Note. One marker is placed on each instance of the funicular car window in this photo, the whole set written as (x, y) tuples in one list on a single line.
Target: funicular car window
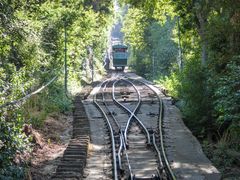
[(119, 49)]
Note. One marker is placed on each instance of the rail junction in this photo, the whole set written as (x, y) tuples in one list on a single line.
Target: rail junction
[(126, 139)]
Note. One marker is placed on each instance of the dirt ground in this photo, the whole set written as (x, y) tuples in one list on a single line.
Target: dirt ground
[(50, 142)]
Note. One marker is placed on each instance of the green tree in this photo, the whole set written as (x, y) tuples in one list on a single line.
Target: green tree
[(32, 53), (208, 86)]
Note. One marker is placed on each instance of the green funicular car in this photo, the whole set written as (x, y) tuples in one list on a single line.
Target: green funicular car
[(120, 56)]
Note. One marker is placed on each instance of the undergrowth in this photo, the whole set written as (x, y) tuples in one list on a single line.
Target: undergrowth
[(15, 142), (210, 108)]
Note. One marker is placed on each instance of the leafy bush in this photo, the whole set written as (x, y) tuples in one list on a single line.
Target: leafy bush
[(171, 83), (227, 98), (52, 99), (56, 99), (189, 86), (209, 92), (222, 155), (32, 52), (13, 142)]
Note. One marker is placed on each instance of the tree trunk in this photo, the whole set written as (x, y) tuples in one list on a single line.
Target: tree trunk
[(202, 32)]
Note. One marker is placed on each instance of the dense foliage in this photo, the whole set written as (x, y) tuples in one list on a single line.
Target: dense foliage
[(32, 53), (206, 43), (150, 41)]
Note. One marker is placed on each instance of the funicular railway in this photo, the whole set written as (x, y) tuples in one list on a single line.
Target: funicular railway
[(129, 136), (121, 136), (132, 111)]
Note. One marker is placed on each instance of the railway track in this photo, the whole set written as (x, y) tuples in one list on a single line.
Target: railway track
[(129, 142), (133, 111), (123, 139)]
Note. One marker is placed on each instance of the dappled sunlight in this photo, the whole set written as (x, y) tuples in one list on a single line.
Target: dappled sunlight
[(183, 150), (51, 142), (97, 165), (194, 170), (142, 158)]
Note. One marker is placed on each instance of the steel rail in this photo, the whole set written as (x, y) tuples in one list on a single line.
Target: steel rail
[(119, 151), (111, 133), (121, 142), (128, 162), (132, 113), (129, 119), (105, 103), (139, 121), (170, 172), (158, 152), (161, 140), (156, 149)]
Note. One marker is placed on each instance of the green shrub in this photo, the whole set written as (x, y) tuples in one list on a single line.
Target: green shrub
[(37, 121), (171, 83), (13, 142), (226, 101), (189, 86), (56, 100), (222, 155)]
